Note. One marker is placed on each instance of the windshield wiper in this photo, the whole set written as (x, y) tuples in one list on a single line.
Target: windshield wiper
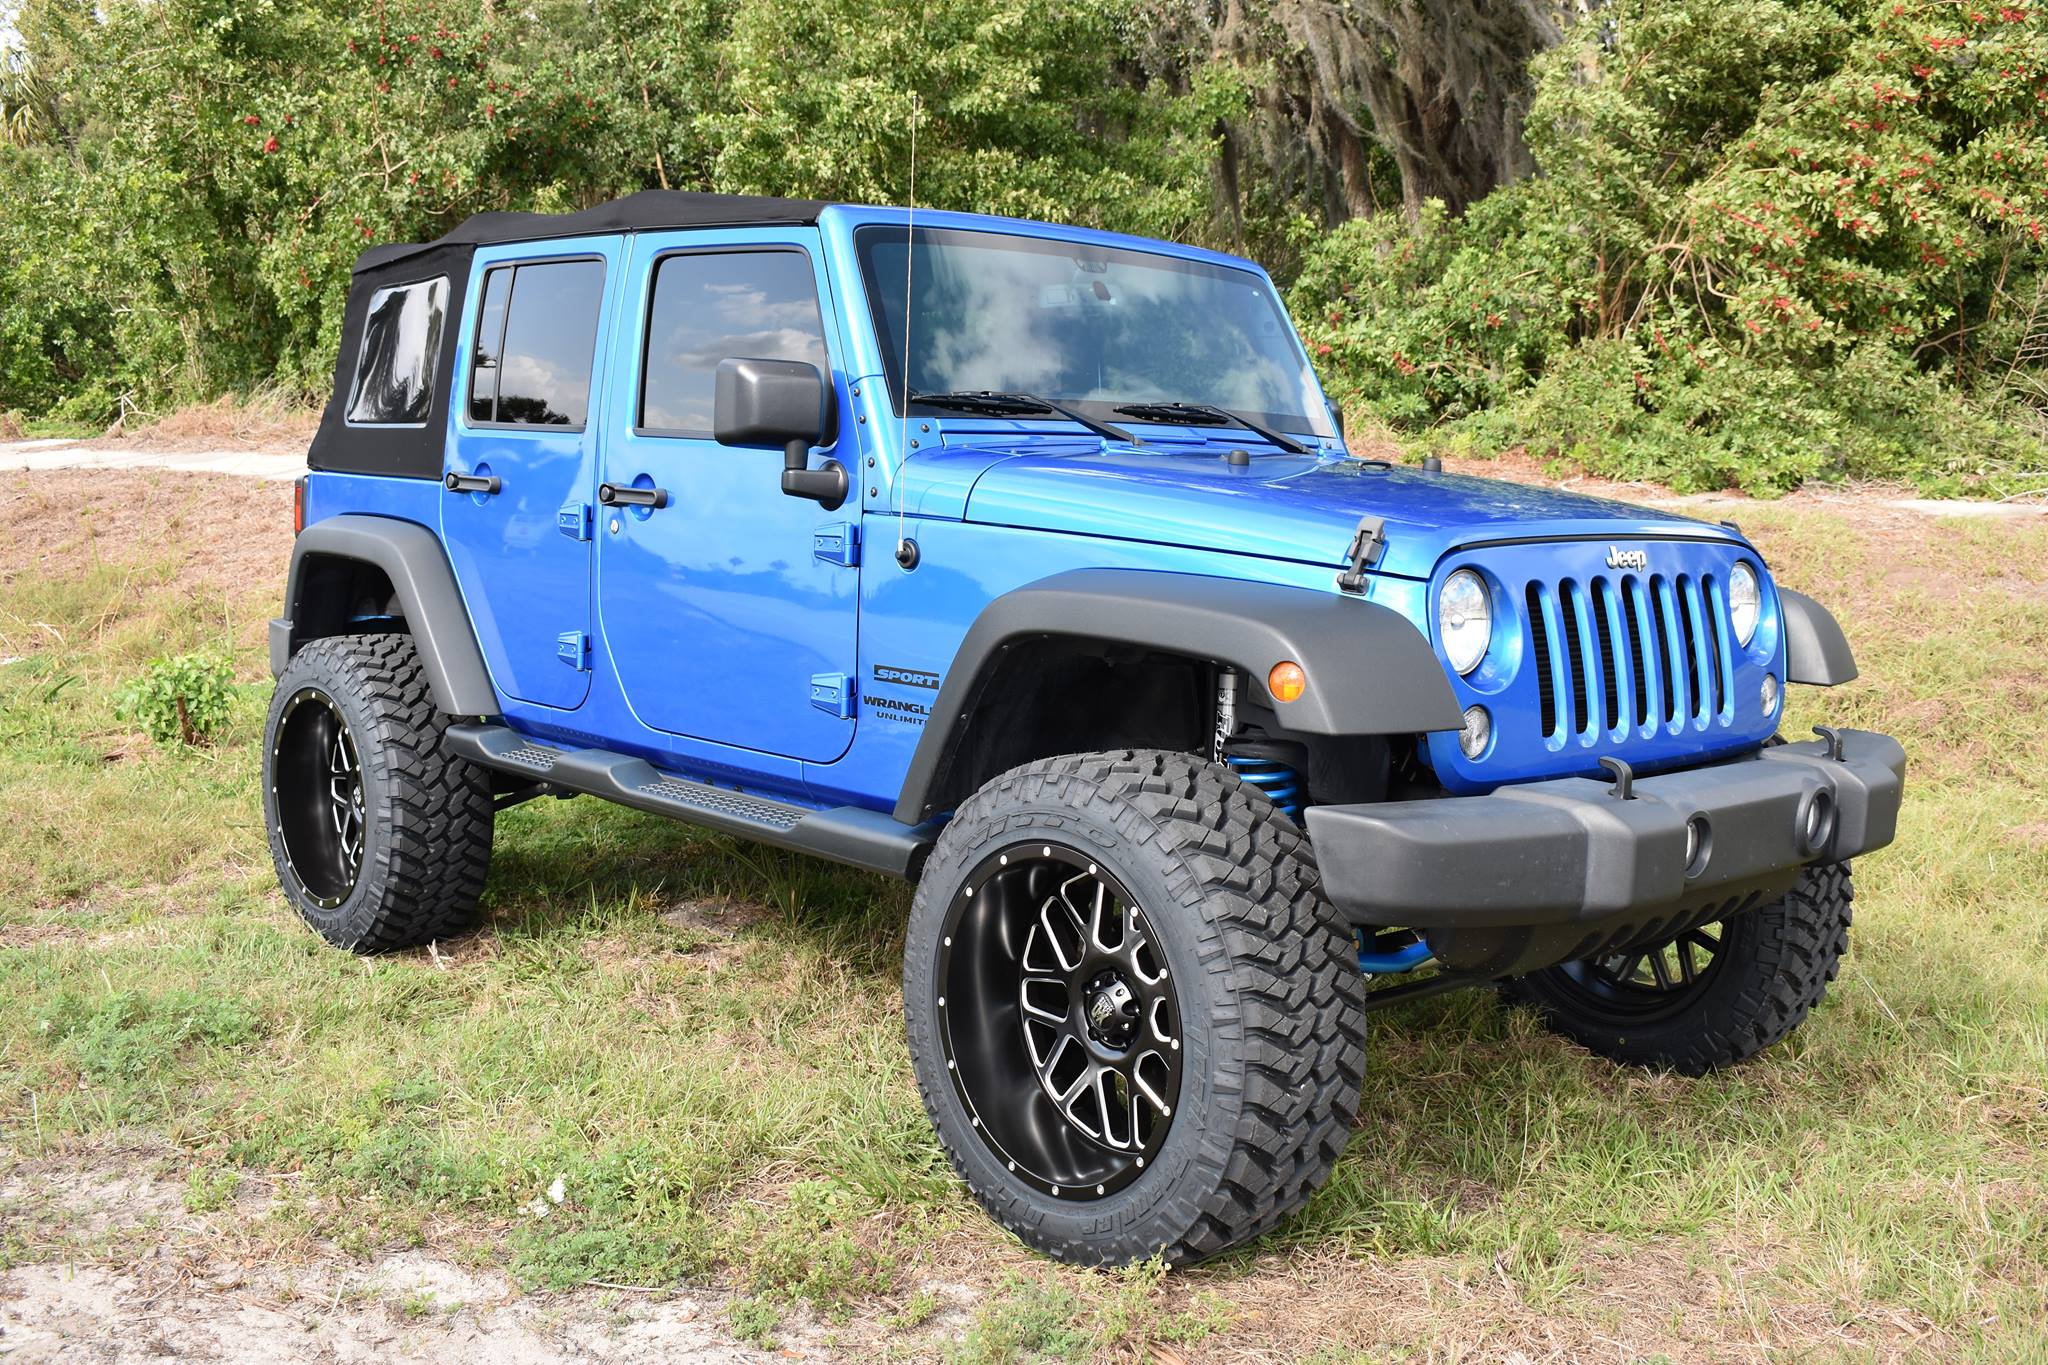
[(994, 403), (1191, 414)]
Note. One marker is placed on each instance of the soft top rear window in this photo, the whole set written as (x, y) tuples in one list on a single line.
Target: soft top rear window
[(394, 383)]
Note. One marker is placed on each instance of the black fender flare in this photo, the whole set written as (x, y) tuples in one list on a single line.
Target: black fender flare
[(411, 557), (1816, 650), (1370, 670)]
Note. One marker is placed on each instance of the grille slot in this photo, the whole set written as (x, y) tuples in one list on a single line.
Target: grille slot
[(1631, 651)]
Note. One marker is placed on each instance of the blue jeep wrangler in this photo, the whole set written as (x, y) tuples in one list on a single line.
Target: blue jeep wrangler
[(1028, 562)]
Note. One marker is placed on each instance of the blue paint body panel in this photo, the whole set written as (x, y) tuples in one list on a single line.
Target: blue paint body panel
[(721, 625)]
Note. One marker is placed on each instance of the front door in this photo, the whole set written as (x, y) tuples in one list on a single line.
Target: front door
[(729, 611), (522, 449)]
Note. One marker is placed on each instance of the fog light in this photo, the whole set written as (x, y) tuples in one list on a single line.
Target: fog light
[(1768, 694), (1478, 731)]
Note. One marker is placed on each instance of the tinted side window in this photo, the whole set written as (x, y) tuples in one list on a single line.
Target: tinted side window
[(708, 307), (401, 349), (536, 372), (490, 339)]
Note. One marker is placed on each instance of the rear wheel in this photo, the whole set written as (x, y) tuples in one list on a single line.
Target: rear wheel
[(1136, 1023), (1711, 997), (381, 838)]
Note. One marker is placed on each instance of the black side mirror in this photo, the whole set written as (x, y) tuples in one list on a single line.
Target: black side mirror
[(786, 403)]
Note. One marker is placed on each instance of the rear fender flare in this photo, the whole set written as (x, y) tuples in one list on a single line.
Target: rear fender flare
[(411, 557)]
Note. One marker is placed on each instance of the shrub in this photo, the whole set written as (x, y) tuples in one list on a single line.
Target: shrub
[(183, 700), (1771, 241)]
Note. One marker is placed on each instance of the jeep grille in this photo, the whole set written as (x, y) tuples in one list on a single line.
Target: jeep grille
[(1630, 651)]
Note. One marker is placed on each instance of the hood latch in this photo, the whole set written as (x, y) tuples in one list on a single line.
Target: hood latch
[(1367, 543)]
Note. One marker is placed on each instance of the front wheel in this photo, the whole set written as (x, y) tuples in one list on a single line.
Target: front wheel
[(1136, 1023), (1711, 997)]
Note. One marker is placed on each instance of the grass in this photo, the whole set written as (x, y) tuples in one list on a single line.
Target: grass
[(673, 1057)]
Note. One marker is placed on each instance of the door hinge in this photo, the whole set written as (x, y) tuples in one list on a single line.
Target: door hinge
[(573, 520), (832, 693), (837, 542), (572, 647), (1367, 543)]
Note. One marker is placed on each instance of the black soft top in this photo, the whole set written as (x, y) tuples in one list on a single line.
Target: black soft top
[(416, 451), (647, 210)]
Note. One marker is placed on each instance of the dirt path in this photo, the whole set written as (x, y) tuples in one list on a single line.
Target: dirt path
[(258, 464), (266, 457)]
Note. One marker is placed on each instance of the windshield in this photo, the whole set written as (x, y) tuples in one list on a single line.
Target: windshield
[(1095, 327)]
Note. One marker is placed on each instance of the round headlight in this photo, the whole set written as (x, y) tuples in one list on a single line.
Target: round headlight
[(1464, 620), (1744, 602)]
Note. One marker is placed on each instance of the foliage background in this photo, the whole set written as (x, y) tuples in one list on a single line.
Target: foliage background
[(1746, 242)]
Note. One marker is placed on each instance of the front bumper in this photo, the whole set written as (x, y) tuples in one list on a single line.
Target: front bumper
[(1573, 859)]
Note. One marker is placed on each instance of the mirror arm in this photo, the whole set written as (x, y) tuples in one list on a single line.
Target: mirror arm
[(826, 485)]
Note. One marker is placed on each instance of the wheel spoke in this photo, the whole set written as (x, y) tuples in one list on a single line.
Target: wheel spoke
[(1092, 1023), (1658, 969)]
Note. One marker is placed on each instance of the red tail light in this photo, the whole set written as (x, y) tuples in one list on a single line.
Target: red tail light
[(298, 504)]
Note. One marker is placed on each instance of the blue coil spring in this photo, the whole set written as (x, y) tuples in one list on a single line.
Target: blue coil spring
[(1281, 783)]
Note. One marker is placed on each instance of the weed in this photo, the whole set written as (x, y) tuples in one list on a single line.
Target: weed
[(754, 1321), (210, 1191), (183, 700)]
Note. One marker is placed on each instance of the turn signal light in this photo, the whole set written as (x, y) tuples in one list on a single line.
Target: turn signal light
[(298, 504), (1287, 682)]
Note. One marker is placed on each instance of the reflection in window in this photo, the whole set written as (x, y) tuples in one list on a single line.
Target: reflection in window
[(490, 336), (708, 307), (534, 370), (401, 348), (1095, 326)]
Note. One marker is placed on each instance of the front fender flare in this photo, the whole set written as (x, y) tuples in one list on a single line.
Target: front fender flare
[(1370, 671), (1816, 650), (411, 557)]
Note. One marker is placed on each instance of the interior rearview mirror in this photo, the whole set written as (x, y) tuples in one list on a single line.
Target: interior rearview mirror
[(787, 403)]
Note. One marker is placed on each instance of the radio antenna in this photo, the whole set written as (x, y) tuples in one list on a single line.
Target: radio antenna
[(906, 553)]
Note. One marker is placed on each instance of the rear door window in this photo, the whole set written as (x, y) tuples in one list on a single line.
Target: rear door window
[(394, 384), (536, 338), (713, 306)]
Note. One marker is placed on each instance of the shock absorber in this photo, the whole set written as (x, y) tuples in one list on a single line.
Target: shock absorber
[(1254, 765)]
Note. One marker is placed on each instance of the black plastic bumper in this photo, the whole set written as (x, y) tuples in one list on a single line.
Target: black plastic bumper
[(1572, 855)]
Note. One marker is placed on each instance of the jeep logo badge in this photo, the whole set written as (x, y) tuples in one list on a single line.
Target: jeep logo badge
[(1618, 558)]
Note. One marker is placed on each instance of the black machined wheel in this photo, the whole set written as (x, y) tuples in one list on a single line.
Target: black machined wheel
[(1648, 984), (1710, 997), (1059, 1022), (381, 837), (319, 782), (1137, 1024)]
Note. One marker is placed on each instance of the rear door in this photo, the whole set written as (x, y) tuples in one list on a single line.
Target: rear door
[(524, 441), (730, 612)]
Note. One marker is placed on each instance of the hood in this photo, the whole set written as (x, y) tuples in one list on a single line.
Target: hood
[(1280, 507)]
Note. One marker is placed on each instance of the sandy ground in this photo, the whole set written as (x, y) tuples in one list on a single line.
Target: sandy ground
[(142, 1278)]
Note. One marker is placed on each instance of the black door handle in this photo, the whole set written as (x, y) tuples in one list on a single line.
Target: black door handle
[(472, 483), (616, 495)]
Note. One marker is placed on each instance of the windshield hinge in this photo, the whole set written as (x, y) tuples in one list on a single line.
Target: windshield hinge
[(1367, 542)]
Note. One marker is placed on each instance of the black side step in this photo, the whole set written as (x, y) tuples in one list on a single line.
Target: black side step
[(870, 839)]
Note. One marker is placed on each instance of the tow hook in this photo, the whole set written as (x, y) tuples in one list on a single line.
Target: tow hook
[(1833, 738), (1624, 788)]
